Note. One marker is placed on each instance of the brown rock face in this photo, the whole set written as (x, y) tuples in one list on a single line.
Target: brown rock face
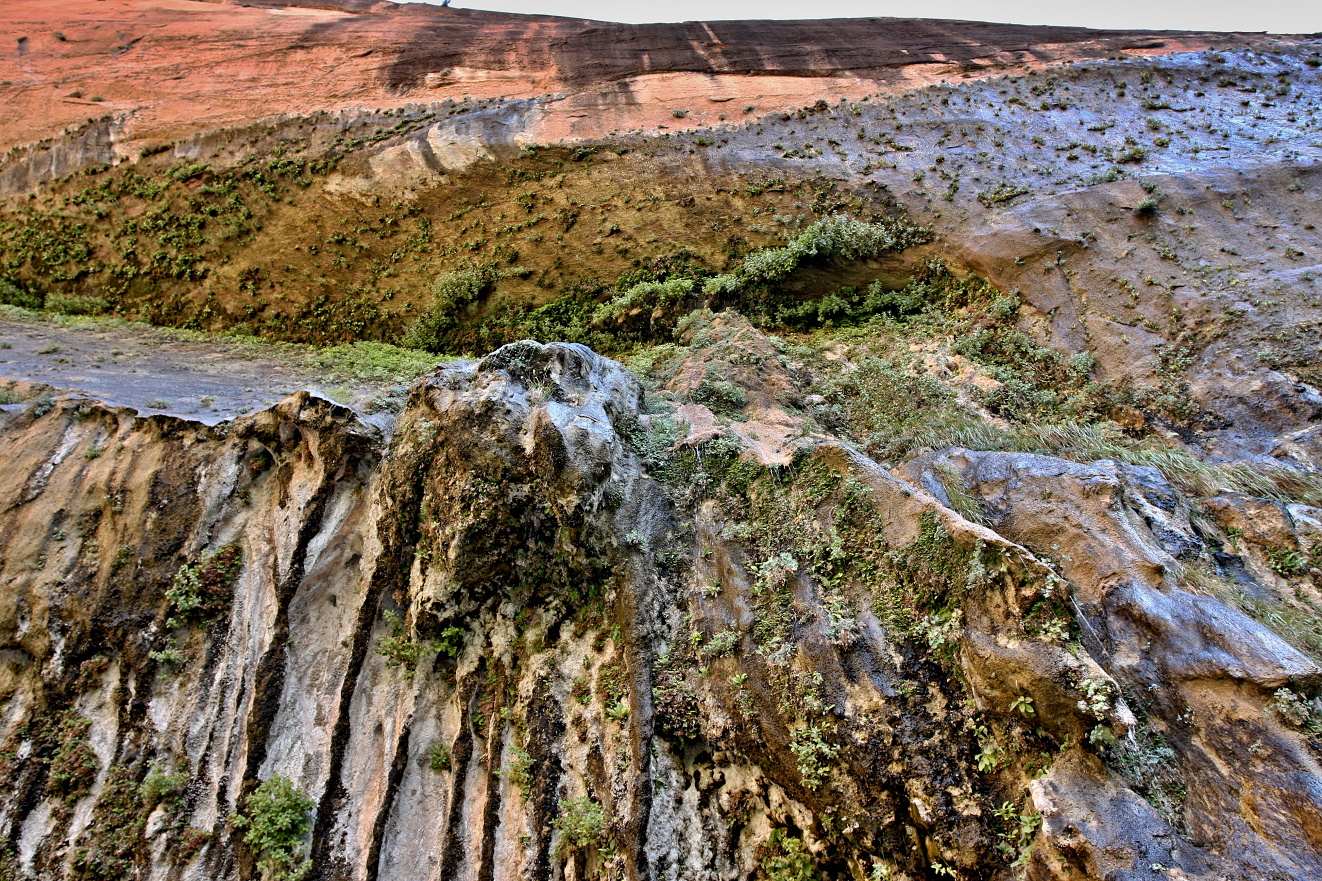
[(160, 70), (525, 638)]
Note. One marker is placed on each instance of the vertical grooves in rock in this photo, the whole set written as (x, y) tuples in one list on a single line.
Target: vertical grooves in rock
[(397, 768), (544, 739), (635, 855), (641, 733), (396, 528), (491, 810), (270, 679), (460, 754), (334, 794)]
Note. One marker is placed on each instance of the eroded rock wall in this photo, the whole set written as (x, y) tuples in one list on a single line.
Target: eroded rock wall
[(533, 635)]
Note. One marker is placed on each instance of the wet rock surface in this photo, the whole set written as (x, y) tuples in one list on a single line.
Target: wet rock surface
[(523, 637)]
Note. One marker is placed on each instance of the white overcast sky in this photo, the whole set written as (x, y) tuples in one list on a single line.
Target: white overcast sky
[(1275, 16)]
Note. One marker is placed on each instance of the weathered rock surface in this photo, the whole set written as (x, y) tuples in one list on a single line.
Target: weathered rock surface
[(521, 606), (551, 623), (152, 71), (1201, 671)]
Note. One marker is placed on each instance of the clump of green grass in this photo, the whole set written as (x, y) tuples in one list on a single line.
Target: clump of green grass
[(890, 409), (961, 500), (1297, 621), (368, 361), (74, 304)]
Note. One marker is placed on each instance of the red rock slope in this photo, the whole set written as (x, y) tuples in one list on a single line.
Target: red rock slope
[(166, 68)]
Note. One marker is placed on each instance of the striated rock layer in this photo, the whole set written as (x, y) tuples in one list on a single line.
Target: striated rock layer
[(530, 636), (142, 72)]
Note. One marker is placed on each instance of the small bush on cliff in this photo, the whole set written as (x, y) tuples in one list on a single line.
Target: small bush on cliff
[(720, 395), (582, 823), (203, 589), (833, 238), (438, 757), (402, 649), (814, 755), (788, 859), (74, 304), (74, 766), (108, 852), (677, 709), (14, 294), (1297, 710), (163, 784), (275, 821), (454, 291)]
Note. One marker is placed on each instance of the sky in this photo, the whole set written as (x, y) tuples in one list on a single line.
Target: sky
[(1275, 16)]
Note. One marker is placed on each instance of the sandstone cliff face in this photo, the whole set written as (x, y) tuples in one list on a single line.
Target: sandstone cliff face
[(527, 635), (165, 70)]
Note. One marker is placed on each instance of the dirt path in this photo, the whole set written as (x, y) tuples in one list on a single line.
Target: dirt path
[(203, 377)]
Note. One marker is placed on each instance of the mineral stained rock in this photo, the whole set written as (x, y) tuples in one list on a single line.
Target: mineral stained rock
[(524, 637), (955, 517)]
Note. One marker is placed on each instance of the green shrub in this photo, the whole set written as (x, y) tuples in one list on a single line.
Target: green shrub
[(438, 757), (1287, 562), (74, 766), (517, 768), (581, 823), (846, 238), (677, 710), (813, 753), (161, 785), (721, 644), (645, 294), (276, 818), (203, 589), (43, 404), (1297, 710), (1148, 206), (400, 649), (1036, 382), (788, 859), (453, 292), (73, 304), (720, 395), (13, 293), (770, 265), (833, 238)]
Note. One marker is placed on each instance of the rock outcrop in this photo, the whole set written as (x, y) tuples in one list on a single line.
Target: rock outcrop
[(528, 635)]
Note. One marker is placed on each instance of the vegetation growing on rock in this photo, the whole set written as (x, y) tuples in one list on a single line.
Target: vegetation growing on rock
[(894, 553), (275, 823)]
